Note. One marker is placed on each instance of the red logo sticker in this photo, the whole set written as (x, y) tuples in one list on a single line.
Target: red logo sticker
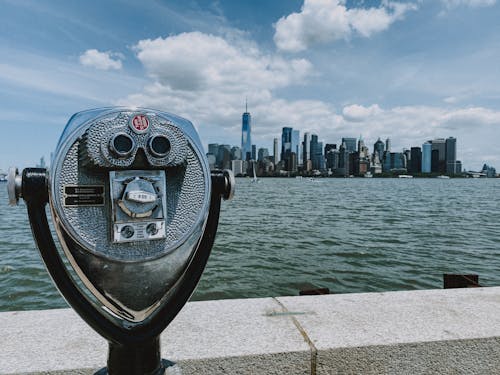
[(140, 123)]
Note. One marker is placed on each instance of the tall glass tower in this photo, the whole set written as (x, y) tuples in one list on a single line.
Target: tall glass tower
[(426, 157), (451, 155), (286, 142), (296, 145), (350, 144), (306, 148), (246, 134)]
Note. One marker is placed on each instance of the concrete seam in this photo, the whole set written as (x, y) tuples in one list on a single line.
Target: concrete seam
[(312, 347)]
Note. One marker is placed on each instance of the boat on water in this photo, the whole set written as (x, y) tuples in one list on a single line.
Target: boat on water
[(3, 177), (254, 179), (443, 177), (405, 176)]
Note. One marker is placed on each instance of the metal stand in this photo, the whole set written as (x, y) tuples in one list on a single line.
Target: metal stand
[(140, 359), (134, 351)]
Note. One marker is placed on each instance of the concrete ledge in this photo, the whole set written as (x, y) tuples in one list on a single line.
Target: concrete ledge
[(434, 331)]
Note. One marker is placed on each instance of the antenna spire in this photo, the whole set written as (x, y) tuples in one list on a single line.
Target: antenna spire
[(246, 104)]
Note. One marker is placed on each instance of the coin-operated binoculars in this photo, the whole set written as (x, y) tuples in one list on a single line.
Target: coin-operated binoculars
[(136, 209)]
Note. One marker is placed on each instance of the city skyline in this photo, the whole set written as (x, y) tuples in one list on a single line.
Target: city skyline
[(413, 69), (349, 157)]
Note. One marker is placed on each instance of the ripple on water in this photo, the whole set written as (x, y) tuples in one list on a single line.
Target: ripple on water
[(284, 235)]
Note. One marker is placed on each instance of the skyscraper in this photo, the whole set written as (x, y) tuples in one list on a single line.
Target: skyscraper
[(451, 149), (361, 144), (343, 168), (236, 153), (288, 155), (426, 157), (321, 157), (275, 151), (213, 148), (388, 145), (378, 148), (237, 167), (296, 145), (262, 154), (286, 141), (394, 161), (350, 144), (306, 150), (316, 152), (438, 161), (415, 160), (224, 157), (246, 134), (329, 147), (451, 155), (332, 158)]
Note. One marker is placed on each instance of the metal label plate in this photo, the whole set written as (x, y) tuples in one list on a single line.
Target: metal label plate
[(83, 195), (84, 190)]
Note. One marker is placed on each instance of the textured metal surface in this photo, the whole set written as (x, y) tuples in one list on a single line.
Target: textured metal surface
[(95, 146), (131, 278), (186, 199)]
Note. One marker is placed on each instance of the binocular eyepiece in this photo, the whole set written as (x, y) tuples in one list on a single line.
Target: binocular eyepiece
[(135, 208), (123, 146)]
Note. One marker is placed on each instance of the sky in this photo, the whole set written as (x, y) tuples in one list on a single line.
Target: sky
[(408, 70)]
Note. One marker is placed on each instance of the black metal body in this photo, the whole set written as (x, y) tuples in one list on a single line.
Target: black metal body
[(134, 351)]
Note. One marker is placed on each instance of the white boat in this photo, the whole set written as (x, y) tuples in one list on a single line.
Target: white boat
[(443, 177), (405, 176), (254, 179), (3, 177)]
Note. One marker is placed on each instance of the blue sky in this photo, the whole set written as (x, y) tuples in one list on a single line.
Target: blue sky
[(408, 70)]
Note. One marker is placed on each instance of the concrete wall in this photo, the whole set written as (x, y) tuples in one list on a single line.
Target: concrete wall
[(418, 332)]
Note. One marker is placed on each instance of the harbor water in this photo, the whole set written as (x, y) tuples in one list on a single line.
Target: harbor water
[(279, 236)]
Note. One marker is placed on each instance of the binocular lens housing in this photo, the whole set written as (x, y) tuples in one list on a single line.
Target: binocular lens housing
[(159, 146), (122, 145), (130, 191)]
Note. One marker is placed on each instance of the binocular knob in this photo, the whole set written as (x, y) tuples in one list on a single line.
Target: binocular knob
[(14, 186)]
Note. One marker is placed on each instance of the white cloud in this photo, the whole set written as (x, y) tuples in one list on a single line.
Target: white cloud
[(101, 60), (468, 3), (324, 21), (356, 113), (196, 62)]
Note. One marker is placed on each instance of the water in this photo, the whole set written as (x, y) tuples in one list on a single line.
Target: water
[(282, 235)]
